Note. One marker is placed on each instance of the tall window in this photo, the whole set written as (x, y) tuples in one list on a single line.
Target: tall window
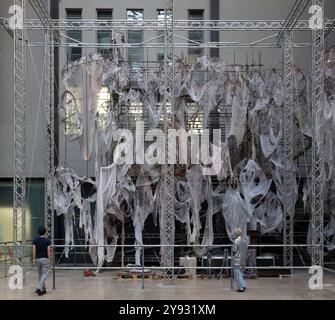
[(104, 36), (103, 107), (74, 52), (160, 35), (195, 35), (135, 55)]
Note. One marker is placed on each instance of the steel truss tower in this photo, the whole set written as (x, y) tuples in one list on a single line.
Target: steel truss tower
[(49, 132), (19, 183), (51, 28), (289, 175), (317, 139), (49, 35), (168, 223)]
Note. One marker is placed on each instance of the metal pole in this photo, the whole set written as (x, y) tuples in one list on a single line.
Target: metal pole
[(231, 268), (142, 267), (6, 255), (54, 271), (122, 248)]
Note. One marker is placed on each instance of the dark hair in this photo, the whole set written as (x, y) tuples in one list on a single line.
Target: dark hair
[(42, 231)]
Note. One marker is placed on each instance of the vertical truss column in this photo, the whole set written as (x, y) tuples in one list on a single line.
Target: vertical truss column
[(168, 223), (317, 139), (49, 132), (49, 36), (289, 203), (19, 183)]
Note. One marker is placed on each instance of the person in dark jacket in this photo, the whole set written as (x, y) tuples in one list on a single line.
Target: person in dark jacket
[(41, 258)]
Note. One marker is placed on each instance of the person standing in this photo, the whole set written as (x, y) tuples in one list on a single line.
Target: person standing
[(41, 258), (240, 248)]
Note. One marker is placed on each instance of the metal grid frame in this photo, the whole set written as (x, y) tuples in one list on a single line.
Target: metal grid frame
[(317, 139), (168, 223), (49, 35), (169, 27), (179, 25), (19, 183), (49, 134), (288, 136)]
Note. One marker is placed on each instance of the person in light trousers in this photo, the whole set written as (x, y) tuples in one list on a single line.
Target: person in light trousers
[(240, 248), (41, 259)]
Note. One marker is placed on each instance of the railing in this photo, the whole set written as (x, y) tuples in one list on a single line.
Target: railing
[(143, 267), (6, 252), (54, 267)]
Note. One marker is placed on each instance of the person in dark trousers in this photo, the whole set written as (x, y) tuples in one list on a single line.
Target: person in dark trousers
[(240, 248), (41, 258)]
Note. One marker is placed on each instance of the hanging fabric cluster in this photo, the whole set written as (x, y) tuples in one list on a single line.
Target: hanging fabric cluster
[(207, 86)]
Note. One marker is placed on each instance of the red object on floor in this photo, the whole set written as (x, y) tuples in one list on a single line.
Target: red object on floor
[(88, 273)]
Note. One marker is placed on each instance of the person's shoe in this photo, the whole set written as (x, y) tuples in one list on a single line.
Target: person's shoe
[(44, 291), (240, 290), (38, 292), (244, 288)]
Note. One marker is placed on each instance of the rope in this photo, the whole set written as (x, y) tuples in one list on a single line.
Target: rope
[(37, 116)]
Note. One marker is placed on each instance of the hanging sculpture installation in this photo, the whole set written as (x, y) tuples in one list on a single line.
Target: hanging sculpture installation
[(256, 105)]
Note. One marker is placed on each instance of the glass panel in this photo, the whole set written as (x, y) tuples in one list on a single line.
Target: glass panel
[(74, 53), (135, 14), (135, 55), (194, 35), (160, 34), (34, 209), (104, 36), (103, 107)]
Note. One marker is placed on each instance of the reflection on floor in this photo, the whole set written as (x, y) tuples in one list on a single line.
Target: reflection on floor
[(70, 284)]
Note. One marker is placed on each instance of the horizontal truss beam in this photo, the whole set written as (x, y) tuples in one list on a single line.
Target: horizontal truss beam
[(179, 25), (161, 45)]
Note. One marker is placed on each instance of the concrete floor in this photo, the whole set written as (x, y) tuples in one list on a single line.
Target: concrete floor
[(70, 284)]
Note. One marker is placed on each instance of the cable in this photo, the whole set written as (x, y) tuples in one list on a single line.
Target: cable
[(37, 116)]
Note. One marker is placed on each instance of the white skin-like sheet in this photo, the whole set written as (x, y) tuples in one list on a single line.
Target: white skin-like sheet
[(252, 202), (254, 185)]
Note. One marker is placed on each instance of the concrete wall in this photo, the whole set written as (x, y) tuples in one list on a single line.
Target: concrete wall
[(34, 105)]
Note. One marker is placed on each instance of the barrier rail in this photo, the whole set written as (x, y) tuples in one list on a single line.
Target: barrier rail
[(143, 247), (148, 246), (6, 245)]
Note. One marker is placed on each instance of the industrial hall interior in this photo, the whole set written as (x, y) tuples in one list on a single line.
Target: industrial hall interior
[(164, 149)]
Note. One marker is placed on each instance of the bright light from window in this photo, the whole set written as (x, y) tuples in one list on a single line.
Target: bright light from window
[(103, 100), (103, 107)]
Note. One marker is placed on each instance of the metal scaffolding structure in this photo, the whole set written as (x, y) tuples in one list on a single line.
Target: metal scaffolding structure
[(170, 26), (317, 137), (49, 35), (179, 25), (288, 142), (168, 223), (49, 134), (19, 183), (285, 38)]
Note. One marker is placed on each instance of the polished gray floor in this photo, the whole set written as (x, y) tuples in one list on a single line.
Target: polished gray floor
[(70, 284)]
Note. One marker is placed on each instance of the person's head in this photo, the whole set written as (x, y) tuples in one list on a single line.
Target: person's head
[(42, 231), (238, 232)]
